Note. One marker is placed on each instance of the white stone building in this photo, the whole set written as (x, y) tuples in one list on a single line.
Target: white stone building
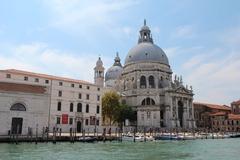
[(36, 100), (145, 83)]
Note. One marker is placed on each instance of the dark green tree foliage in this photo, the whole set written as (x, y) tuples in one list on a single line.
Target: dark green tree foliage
[(124, 112), (115, 111)]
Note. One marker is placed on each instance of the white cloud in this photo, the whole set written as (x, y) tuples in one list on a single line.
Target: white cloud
[(215, 79), (76, 15), (39, 57)]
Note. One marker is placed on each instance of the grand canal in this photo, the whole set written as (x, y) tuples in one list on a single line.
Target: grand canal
[(221, 149)]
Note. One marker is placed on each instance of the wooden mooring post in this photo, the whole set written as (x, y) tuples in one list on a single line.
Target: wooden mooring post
[(54, 135)]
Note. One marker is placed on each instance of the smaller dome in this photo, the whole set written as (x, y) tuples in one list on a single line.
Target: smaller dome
[(115, 71)]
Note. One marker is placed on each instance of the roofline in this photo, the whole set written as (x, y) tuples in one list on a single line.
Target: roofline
[(207, 104), (46, 76)]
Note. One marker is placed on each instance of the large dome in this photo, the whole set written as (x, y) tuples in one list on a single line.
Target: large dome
[(146, 51)]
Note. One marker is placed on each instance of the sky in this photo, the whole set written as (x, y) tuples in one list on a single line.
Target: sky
[(66, 37)]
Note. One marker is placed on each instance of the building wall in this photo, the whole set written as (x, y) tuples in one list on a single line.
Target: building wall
[(223, 123), (35, 116), (70, 94), (164, 95), (235, 108)]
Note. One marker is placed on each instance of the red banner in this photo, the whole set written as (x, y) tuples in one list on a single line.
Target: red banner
[(64, 118)]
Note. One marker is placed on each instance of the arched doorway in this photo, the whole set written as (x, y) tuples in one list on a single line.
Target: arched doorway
[(180, 113), (17, 122), (79, 126)]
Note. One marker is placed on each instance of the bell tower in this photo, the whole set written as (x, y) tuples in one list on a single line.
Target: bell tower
[(99, 73)]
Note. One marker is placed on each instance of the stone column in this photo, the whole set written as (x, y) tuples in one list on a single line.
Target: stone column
[(185, 114), (177, 123), (188, 116), (147, 82), (156, 78)]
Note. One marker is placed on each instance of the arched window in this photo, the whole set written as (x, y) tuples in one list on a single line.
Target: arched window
[(18, 107), (148, 101), (151, 82), (143, 82), (79, 107)]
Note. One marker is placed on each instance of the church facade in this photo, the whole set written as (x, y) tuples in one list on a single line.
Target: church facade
[(30, 102), (146, 83)]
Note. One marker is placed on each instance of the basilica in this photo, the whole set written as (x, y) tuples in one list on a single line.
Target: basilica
[(146, 83), (30, 102)]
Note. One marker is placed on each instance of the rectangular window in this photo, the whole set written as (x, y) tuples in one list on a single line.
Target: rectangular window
[(98, 98), (97, 122), (25, 78), (59, 93), (8, 75), (98, 110), (88, 87), (79, 96), (87, 108), (80, 86), (71, 107), (60, 83), (36, 80), (58, 120), (86, 122), (98, 89), (72, 85), (87, 96), (59, 106), (46, 81), (70, 120)]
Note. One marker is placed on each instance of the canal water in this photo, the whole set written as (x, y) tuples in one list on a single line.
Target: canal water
[(221, 149)]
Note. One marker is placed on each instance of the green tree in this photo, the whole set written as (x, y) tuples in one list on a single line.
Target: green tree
[(123, 112), (110, 103)]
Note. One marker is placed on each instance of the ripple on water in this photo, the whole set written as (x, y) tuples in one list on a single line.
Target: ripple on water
[(171, 150)]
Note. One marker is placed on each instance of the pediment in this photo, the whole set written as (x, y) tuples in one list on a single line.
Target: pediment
[(182, 89)]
